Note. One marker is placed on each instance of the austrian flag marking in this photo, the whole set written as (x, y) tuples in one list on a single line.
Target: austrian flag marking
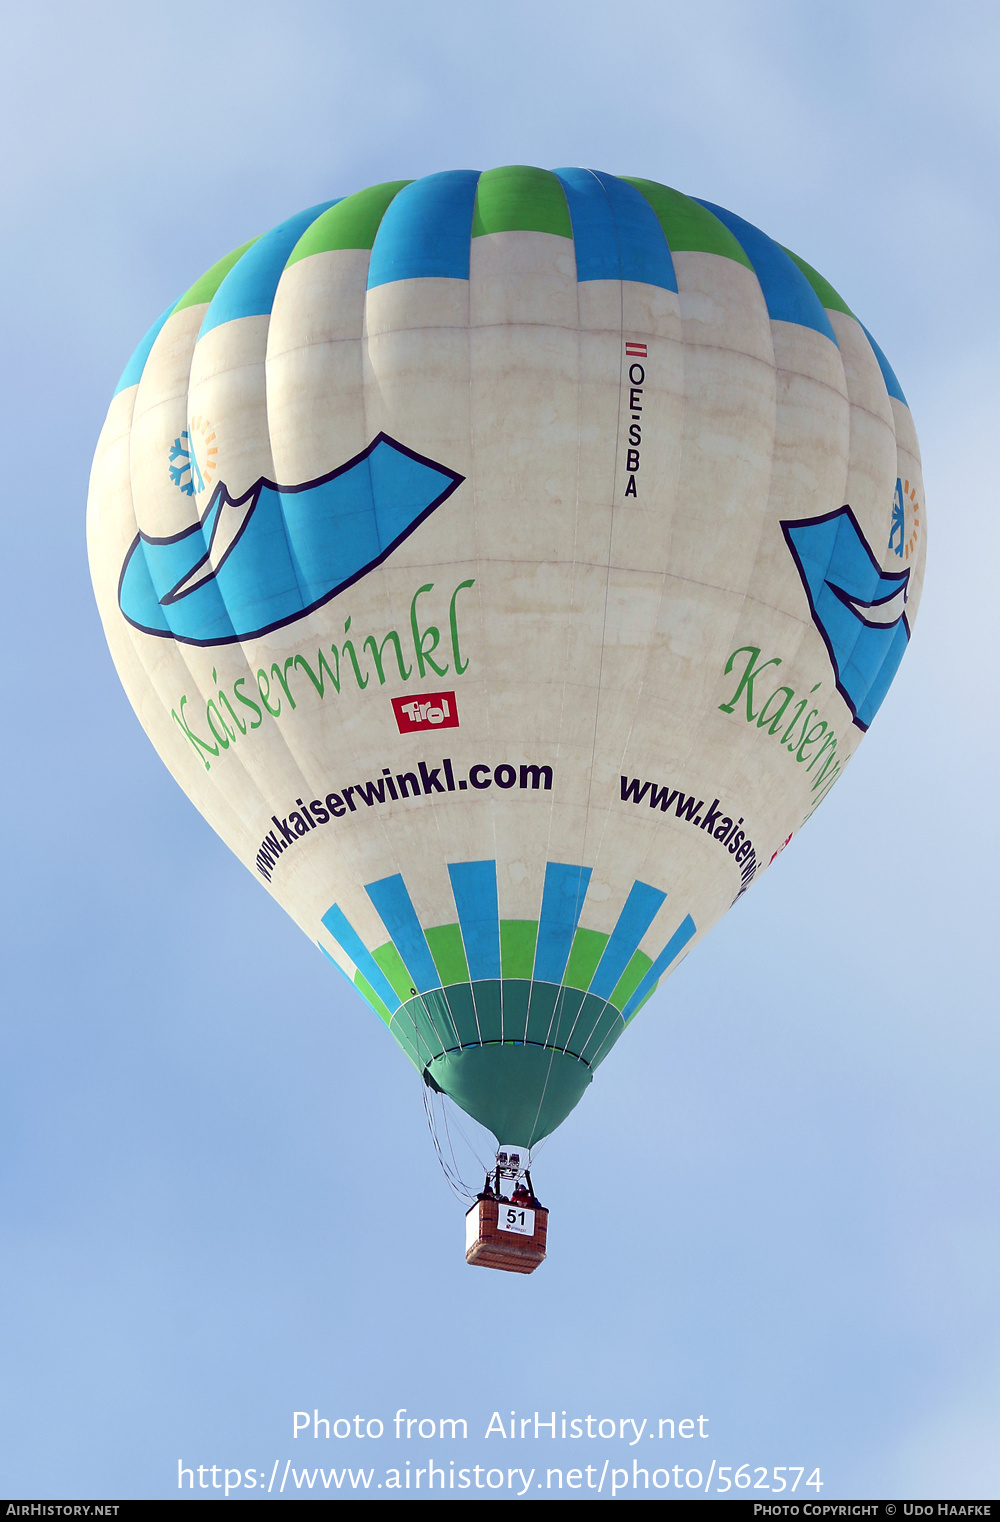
[(634, 392)]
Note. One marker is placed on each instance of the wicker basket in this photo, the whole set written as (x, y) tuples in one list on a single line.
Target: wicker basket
[(502, 1235)]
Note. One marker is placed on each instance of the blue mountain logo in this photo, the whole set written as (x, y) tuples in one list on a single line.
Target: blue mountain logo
[(858, 608), (257, 562)]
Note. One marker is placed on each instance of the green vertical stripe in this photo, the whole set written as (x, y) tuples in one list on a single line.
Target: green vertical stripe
[(520, 199), (392, 964), (204, 289), (824, 290), (630, 979), (352, 223), (364, 987), (588, 948), (517, 947), (445, 942), (686, 225)]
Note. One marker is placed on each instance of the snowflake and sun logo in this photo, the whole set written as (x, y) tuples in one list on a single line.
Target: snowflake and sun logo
[(193, 458), (905, 496)]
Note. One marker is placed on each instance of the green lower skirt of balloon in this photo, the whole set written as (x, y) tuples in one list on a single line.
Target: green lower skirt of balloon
[(515, 1090), (516, 1055)]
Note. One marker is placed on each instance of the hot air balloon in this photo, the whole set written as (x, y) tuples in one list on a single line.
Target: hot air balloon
[(507, 565)]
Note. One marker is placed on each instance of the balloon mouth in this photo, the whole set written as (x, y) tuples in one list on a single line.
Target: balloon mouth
[(514, 1053), (507, 1012), (520, 1092)]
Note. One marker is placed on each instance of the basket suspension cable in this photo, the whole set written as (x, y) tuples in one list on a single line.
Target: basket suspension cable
[(451, 1144), (473, 1148), (467, 1190), (454, 1178), (432, 1127)]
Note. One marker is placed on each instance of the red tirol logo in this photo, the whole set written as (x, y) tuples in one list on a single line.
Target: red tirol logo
[(431, 710)]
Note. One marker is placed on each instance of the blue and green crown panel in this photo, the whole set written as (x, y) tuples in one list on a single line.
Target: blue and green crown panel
[(509, 1017), (621, 228)]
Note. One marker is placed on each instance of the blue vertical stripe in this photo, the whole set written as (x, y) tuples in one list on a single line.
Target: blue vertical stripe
[(347, 937), (132, 373), (641, 242), (396, 911), (562, 904), (672, 949), (594, 237), (787, 292), (474, 884), (616, 233), (426, 230), (640, 910), (248, 290), (888, 374)]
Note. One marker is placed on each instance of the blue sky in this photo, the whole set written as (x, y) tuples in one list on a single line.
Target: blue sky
[(779, 1206)]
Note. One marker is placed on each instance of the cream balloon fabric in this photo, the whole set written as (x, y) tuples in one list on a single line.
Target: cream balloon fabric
[(507, 565)]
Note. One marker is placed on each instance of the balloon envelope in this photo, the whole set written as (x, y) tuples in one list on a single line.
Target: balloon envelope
[(507, 565)]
